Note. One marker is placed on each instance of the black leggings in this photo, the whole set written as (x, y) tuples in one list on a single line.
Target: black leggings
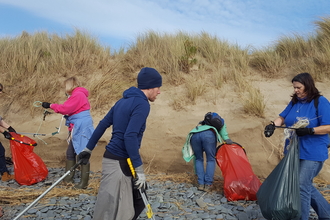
[(3, 167)]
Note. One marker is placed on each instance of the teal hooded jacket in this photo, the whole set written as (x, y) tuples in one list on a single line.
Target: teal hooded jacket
[(187, 151)]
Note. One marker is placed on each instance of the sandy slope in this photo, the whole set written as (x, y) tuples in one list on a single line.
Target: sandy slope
[(167, 129)]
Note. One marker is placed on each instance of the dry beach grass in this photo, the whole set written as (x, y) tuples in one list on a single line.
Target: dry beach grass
[(12, 197)]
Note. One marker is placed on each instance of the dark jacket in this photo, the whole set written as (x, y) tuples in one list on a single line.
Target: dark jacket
[(128, 118)]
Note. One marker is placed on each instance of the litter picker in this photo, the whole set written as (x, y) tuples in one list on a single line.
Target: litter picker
[(285, 127), (34, 134), (51, 187), (149, 212), (59, 127)]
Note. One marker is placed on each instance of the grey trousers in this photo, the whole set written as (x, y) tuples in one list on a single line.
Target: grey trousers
[(115, 197)]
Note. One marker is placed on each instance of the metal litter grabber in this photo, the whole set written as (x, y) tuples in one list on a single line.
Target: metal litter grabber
[(286, 127), (149, 212), (59, 127), (50, 188), (34, 134)]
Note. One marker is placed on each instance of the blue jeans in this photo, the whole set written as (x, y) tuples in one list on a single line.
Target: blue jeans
[(204, 141), (3, 166), (310, 196)]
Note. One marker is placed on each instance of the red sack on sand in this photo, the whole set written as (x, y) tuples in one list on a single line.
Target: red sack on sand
[(28, 166), (240, 183)]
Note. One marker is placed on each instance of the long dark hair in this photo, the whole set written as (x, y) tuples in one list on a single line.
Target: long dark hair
[(307, 80)]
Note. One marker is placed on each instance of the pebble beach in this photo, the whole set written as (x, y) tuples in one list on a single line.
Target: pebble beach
[(169, 200)]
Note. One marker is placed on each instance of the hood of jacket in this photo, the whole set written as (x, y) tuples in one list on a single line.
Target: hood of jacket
[(82, 90), (134, 92)]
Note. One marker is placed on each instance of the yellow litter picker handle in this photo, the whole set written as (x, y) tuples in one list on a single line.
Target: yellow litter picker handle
[(143, 195), (131, 167)]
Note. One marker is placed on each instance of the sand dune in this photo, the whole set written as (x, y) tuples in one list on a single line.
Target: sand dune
[(167, 129)]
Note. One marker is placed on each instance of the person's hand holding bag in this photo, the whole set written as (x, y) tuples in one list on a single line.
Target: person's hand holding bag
[(7, 135), (11, 129), (304, 131)]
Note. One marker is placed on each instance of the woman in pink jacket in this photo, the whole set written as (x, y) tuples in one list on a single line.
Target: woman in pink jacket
[(76, 110)]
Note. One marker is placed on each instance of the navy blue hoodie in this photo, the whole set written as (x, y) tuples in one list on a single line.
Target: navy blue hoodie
[(128, 118)]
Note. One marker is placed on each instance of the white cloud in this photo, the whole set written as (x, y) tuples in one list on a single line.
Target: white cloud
[(256, 22)]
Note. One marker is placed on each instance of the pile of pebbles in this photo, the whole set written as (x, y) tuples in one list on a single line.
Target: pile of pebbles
[(169, 200)]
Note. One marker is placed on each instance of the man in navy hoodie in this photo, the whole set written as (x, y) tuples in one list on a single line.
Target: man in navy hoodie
[(118, 196)]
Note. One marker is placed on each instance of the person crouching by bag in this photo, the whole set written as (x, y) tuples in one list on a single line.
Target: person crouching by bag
[(204, 138)]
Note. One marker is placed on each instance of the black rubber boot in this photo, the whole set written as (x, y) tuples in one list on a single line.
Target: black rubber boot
[(84, 177), (68, 166)]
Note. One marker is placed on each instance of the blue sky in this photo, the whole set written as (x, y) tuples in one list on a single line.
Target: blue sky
[(117, 23)]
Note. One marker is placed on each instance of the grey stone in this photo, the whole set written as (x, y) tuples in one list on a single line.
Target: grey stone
[(169, 200)]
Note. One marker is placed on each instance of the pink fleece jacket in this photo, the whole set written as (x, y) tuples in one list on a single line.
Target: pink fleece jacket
[(77, 102)]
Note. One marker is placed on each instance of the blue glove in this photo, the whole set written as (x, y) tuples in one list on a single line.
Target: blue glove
[(229, 141)]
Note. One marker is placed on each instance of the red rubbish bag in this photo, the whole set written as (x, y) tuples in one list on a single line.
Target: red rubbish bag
[(240, 183), (28, 166)]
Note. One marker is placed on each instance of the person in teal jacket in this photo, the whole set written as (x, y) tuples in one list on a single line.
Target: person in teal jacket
[(204, 138)]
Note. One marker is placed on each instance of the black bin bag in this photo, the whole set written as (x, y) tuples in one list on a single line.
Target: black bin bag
[(278, 196)]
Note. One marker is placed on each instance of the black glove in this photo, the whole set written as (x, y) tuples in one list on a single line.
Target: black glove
[(7, 135), (46, 104), (229, 141), (84, 156), (269, 130), (304, 131), (11, 129)]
